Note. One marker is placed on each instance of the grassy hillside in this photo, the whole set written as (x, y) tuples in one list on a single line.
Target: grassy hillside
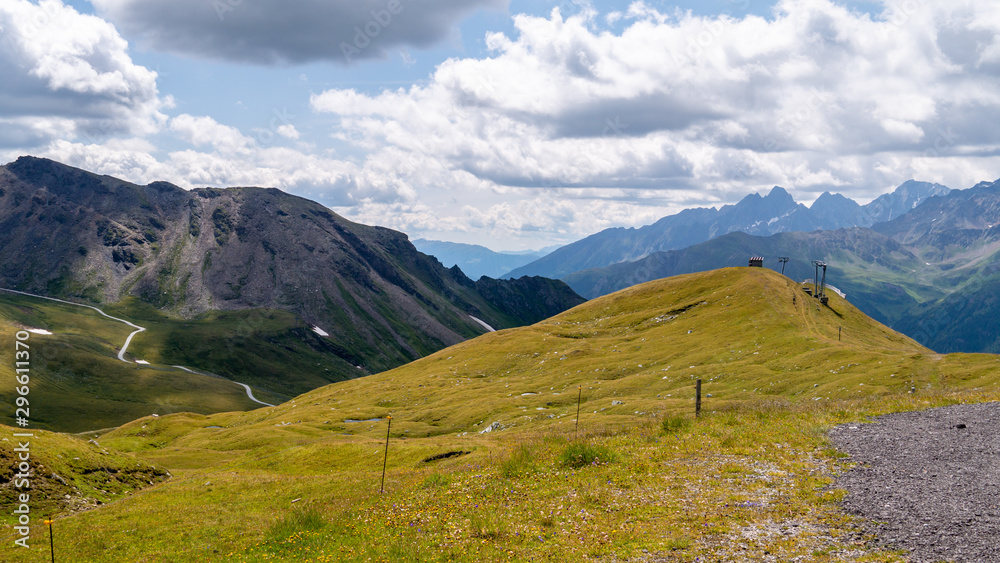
[(273, 351), (70, 474), (639, 480), (929, 273), (77, 382)]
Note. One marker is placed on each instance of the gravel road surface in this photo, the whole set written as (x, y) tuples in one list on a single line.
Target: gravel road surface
[(928, 482)]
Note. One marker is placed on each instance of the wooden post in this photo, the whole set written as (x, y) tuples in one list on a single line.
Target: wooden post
[(579, 396), (386, 458), (697, 398), (52, 545), (839, 328)]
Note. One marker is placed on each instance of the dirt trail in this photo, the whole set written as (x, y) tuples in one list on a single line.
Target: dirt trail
[(928, 482)]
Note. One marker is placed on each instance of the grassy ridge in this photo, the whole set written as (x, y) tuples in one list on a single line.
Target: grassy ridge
[(299, 482)]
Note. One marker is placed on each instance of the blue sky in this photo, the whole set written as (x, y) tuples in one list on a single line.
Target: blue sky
[(506, 123)]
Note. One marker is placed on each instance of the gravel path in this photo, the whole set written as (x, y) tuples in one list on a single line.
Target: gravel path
[(928, 482)]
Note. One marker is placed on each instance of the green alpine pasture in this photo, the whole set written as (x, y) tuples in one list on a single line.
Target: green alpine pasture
[(83, 386), (77, 382), (271, 350), (486, 461)]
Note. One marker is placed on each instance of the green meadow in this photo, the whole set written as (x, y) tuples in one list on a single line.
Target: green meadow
[(77, 381), (638, 478)]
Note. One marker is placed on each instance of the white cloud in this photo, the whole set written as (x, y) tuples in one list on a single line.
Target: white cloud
[(287, 131), (567, 127), (289, 32), (204, 131), (818, 97), (221, 156), (69, 75)]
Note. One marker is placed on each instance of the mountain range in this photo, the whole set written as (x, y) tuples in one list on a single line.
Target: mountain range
[(932, 273), (476, 260), (756, 215), (362, 297)]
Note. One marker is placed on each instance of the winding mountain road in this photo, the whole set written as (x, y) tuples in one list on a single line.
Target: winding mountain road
[(244, 385), (121, 353), (128, 340)]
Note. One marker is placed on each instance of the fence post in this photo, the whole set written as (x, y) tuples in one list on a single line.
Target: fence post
[(579, 396), (697, 398), (386, 458), (52, 544)]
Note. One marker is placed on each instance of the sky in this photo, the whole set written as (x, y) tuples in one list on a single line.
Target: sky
[(508, 123)]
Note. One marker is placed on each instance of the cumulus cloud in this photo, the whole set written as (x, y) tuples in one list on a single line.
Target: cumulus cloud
[(570, 126), (518, 220), (221, 156), (289, 32), (816, 97), (288, 131), (69, 75), (204, 131)]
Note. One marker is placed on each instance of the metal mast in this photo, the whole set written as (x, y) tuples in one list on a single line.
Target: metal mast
[(783, 260)]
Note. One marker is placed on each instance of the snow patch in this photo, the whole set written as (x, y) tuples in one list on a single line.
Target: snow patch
[(39, 331), (143, 362), (837, 291), (482, 322), (320, 331)]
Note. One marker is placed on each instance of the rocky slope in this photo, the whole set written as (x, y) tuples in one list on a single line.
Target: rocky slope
[(68, 233)]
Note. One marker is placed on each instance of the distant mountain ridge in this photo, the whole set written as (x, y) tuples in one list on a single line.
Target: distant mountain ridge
[(475, 260), (756, 215), (884, 258), (68, 233), (932, 273)]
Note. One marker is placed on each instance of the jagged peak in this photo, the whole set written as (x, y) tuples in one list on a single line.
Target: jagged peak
[(779, 193), (912, 184)]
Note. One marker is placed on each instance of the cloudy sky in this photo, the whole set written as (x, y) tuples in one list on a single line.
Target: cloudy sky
[(508, 123)]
